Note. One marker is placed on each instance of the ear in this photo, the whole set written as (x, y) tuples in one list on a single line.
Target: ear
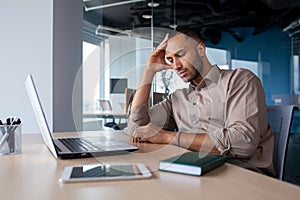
[(201, 49)]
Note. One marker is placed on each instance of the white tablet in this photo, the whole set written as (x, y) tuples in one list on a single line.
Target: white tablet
[(104, 172)]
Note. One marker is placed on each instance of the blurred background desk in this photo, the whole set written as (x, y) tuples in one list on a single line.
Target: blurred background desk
[(114, 120), (105, 114), (34, 175)]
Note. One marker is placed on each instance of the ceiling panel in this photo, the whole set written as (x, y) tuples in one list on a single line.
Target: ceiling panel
[(208, 17)]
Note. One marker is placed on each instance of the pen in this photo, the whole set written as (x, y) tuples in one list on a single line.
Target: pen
[(8, 121), (5, 134), (9, 135), (2, 128), (3, 139), (18, 122), (14, 121)]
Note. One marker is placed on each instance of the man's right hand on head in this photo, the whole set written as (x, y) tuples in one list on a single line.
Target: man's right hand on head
[(156, 61)]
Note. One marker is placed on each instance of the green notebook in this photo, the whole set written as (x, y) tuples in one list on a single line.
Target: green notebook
[(193, 163)]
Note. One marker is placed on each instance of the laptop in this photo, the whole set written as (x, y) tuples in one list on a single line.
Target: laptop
[(77, 147)]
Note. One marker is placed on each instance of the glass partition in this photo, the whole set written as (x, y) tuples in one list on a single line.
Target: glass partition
[(120, 51)]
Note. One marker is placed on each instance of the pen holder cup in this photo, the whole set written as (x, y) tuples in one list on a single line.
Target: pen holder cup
[(10, 139)]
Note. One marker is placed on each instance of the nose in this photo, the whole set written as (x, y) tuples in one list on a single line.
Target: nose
[(177, 64)]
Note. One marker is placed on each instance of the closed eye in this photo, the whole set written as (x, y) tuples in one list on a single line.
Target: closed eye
[(180, 53), (170, 60)]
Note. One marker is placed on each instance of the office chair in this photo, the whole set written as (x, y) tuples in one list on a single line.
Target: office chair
[(280, 120), (129, 94), (106, 106), (158, 97)]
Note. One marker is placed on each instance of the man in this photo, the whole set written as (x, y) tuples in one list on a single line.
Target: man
[(222, 111)]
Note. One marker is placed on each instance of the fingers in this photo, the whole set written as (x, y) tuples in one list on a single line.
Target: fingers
[(136, 138), (163, 44), (140, 134), (145, 133), (158, 56)]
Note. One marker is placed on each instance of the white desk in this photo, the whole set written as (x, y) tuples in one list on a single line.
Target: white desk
[(34, 175)]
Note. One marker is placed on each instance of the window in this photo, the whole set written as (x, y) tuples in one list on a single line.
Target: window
[(250, 65), (90, 75), (296, 61), (296, 73), (218, 56)]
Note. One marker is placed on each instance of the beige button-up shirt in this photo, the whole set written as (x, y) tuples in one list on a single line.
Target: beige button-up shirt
[(229, 105)]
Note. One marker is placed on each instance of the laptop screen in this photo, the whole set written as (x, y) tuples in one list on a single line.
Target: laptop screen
[(39, 114)]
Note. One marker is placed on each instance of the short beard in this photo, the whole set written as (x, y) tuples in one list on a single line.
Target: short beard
[(193, 78)]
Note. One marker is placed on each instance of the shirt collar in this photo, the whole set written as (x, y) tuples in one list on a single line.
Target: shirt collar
[(211, 77)]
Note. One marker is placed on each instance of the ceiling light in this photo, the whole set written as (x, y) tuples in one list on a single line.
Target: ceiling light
[(153, 4), (147, 16), (119, 32), (111, 5), (173, 26)]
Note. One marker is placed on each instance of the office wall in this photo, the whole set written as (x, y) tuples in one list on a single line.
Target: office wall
[(26, 47), (67, 60), (27, 43), (272, 48)]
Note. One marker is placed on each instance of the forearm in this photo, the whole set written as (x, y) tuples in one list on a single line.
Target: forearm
[(155, 63), (194, 142), (143, 91), (138, 117)]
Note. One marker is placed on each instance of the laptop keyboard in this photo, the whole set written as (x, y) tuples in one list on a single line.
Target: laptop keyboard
[(78, 144)]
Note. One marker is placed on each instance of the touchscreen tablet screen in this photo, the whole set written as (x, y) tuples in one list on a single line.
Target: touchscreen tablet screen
[(99, 172), (104, 171)]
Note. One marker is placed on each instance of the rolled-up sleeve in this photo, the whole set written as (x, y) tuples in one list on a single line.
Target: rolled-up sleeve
[(160, 114), (245, 118), (138, 117)]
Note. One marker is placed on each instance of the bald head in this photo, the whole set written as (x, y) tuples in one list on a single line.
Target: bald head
[(181, 41)]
